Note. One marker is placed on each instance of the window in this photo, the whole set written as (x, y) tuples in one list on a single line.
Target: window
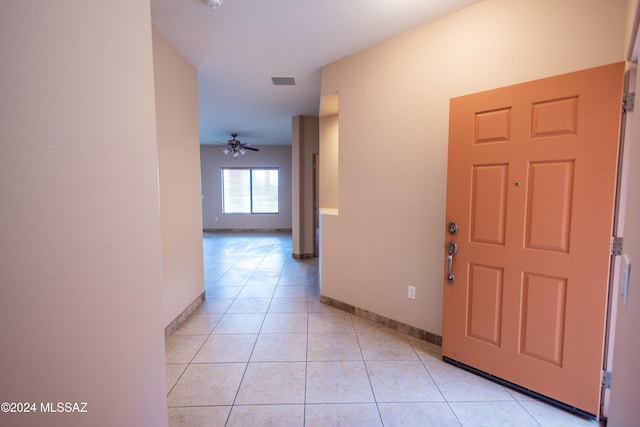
[(249, 190)]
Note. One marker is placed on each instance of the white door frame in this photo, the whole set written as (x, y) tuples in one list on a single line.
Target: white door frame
[(620, 402)]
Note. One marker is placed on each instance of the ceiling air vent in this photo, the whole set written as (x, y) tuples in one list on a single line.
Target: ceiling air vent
[(283, 81)]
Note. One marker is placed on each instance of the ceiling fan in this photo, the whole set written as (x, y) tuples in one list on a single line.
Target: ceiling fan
[(237, 148)]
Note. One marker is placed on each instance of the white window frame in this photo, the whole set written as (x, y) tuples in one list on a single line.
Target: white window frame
[(251, 202)]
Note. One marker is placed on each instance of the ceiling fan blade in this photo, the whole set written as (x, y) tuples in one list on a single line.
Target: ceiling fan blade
[(250, 148)]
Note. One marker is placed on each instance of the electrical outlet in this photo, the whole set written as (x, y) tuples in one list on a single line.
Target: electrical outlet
[(411, 292)]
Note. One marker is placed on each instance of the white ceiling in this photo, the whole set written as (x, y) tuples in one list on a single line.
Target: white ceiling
[(240, 46)]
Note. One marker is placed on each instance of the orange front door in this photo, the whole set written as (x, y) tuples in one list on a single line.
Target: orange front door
[(531, 184)]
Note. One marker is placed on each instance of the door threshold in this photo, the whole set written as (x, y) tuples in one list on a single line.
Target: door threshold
[(521, 389)]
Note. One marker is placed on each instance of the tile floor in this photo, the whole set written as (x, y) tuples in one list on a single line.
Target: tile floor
[(262, 351)]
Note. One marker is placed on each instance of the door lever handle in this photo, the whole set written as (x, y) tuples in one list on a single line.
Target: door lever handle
[(450, 277), (452, 249)]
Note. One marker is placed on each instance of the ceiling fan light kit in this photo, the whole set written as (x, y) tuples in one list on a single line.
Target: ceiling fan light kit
[(214, 4), (237, 148)]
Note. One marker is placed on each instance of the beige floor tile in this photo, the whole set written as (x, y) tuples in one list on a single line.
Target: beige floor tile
[(249, 306), (287, 323), (386, 346), (289, 305), (333, 347), (267, 415), (550, 416), (198, 324), (294, 279), (247, 264), (270, 267), (223, 281), (457, 385), (214, 306), (182, 348), (272, 383), (402, 381), (236, 276), (207, 384), (198, 416), (257, 292), (518, 395), (344, 414), (226, 348), (330, 322), (262, 281), (338, 382), (490, 414), (280, 348), (212, 273), (215, 263), (436, 414), (222, 291), (295, 268), (173, 372), (426, 351), (291, 292), (239, 324)]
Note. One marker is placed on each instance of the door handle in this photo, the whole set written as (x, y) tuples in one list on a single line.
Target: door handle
[(452, 249)]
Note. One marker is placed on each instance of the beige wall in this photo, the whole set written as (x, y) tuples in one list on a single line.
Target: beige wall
[(329, 170), (394, 100), (81, 265), (212, 160), (176, 91)]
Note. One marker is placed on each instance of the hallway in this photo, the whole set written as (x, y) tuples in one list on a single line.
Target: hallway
[(262, 350)]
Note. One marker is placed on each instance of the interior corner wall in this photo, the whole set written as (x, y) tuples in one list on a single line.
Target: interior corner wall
[(176, 92), (212, 160), (394, 105), (81, 265), (305, 143)]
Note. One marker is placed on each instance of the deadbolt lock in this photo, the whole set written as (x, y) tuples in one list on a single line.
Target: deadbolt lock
[(453, 227)]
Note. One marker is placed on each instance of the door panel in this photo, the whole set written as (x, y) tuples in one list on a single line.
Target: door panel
[(485, 303), (549, 198), (554, 117), (542, 319), (489, 204), (531, 181)]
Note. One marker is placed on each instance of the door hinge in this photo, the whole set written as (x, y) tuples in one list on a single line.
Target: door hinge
[(606, 379), (616, 246), (628, 101)]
